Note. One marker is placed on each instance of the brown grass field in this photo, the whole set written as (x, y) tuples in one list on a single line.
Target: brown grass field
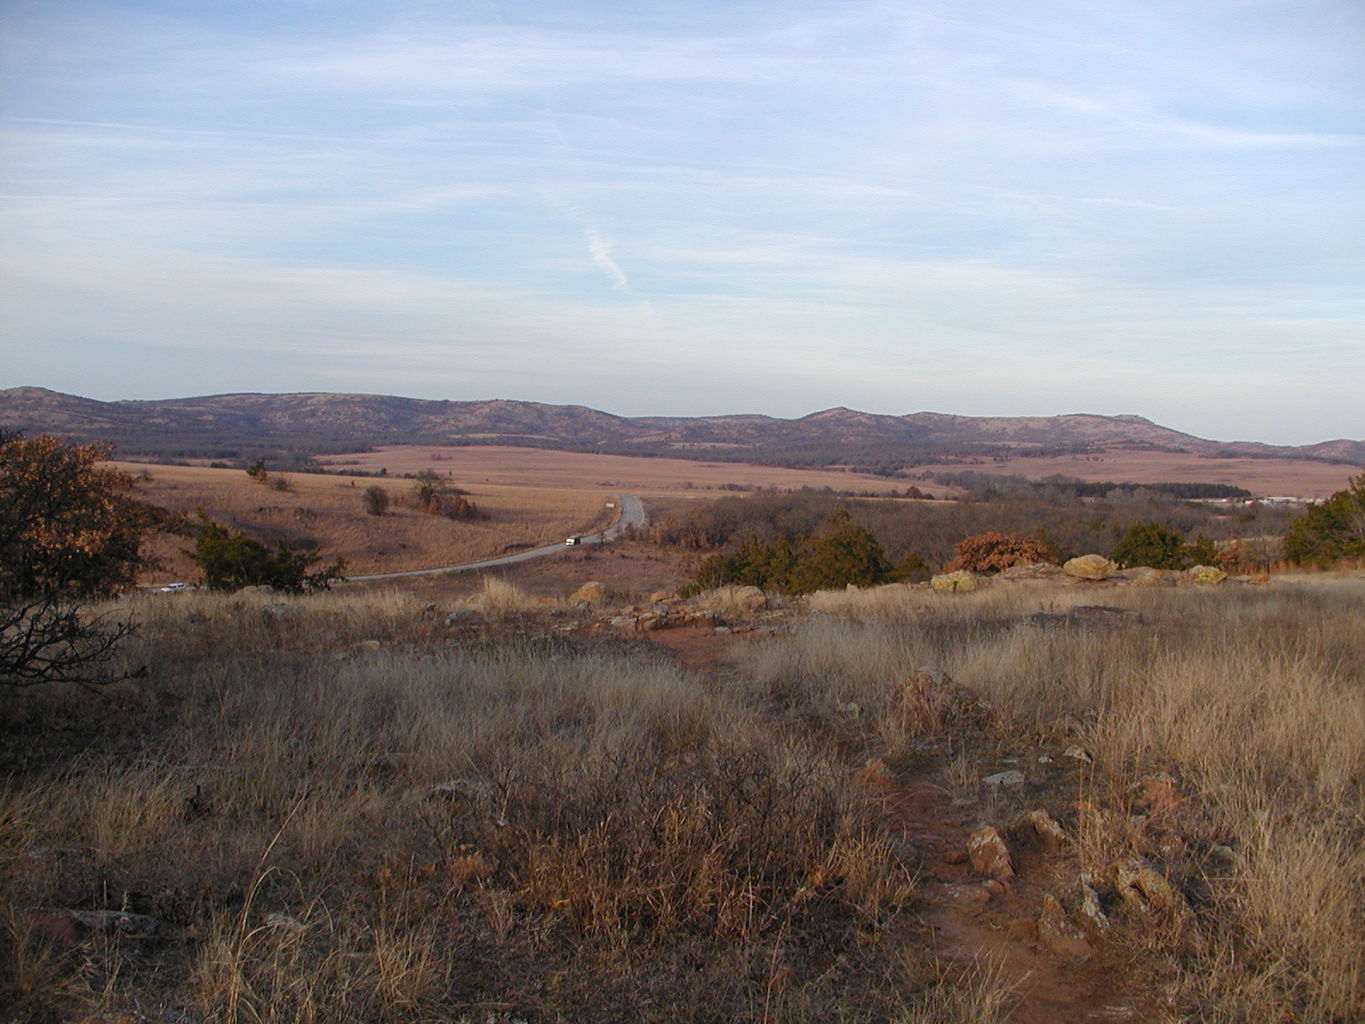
[(351, 807), (535, 466), (327, 509), (1295, 478)]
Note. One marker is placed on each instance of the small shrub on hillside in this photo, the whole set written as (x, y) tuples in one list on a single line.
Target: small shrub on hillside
[(1330, 530), (1201, 551), (375, 500), (994, 551), (231, 561), (1151, 545)]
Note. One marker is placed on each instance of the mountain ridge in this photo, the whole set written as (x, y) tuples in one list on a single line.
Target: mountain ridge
[(337, 421)]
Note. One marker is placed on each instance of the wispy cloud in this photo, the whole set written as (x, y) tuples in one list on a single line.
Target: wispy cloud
[(896, 204)]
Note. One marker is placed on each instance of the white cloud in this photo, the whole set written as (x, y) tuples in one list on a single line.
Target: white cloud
[(915, 203)]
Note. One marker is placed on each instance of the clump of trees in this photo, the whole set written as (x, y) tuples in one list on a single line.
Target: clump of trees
[(1330, 530), (438, 497), (840, 554), (994, 551), (230, 561), (70, 531), (1152, 545)]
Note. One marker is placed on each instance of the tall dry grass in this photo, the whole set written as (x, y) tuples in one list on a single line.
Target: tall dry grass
[(1253, 698), (340, 816)]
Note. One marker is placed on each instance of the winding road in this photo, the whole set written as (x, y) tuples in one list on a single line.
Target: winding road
[(632, 514)]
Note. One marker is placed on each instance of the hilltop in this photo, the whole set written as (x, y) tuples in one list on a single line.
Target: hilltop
[(229, 425)]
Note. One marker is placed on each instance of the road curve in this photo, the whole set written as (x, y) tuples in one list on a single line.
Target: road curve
[(632, 514)]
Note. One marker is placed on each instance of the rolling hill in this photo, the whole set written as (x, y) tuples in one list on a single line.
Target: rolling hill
[(228, 426)]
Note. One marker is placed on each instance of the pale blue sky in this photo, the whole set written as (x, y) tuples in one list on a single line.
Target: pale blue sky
[(1016, 207)]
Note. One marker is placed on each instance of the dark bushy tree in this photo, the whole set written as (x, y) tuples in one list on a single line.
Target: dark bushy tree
[(231, 561), (1150, 545), (841, 554), (1330, 530), (376, 500), (69, 531)]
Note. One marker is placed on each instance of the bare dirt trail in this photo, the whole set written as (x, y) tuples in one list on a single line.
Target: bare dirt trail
[(973, 921), (966, 919)]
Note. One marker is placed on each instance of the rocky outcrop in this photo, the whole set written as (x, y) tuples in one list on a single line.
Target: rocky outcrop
[(988, 853), (1090, 567), (952, 582)]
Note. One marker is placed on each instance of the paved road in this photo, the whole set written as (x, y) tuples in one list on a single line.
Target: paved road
[(632, 514)]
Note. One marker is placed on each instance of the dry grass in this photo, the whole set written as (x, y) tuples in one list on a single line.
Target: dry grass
[(341, 816), (510, 466), (1301, 478), (1253, 699), (327, 511), (348, 808)]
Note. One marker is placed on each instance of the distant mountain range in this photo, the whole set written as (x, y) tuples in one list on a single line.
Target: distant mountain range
[(233, 426)]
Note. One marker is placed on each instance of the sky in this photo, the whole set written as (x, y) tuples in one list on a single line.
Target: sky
[(981, 207)]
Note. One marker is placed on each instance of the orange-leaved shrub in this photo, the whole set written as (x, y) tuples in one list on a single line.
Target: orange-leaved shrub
[(991, 552)]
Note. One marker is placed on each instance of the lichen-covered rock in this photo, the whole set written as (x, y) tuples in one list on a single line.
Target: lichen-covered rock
[(1145, 889), (952, 582), (1090, 567), (1041, 829), (589, 593), (1057, 933), (1151, 578), (1205, 574), (750, 599), (989, 854)]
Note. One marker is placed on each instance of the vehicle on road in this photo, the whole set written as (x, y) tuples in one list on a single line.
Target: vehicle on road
[(572, 541)]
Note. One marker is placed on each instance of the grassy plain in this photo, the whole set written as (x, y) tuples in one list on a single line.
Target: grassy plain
[(1295, 478), (350, 807), (543, 467), (326, 511)]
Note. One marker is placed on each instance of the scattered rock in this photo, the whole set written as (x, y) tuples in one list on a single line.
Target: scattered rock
[(70, 927), (370, 645), (1091, 910), (1152, 578), (1013, 777), (1205, 574), (1145, 889), (931, 701), (989, 854), (952, 582), (1035, 571), (1078, 753), (1089, 567), (590, 593), (749, 599), (1059, 934), (459, 616), (1042, 830)]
